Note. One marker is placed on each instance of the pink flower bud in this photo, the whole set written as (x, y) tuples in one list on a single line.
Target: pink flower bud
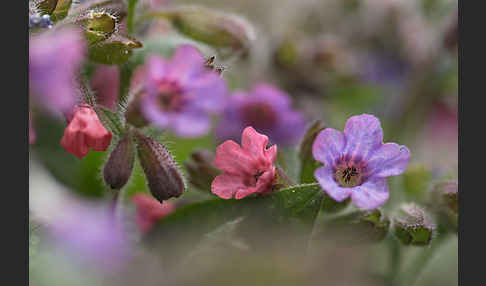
[(149, 211), (85, 131)]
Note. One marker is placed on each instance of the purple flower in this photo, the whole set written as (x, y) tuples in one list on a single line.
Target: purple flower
[(268, 110), (181, 92), (356, 162), (90, 233), (54, 58)]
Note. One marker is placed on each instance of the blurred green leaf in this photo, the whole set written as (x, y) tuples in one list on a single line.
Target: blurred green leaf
[(307, 163), (292, 209)]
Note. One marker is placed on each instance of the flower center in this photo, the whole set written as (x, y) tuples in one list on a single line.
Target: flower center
[(169, 97), (259, 115), (349, 173)]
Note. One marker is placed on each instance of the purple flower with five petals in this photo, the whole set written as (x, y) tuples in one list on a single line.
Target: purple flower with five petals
[(265, 108), (181, 92), (356, 162)]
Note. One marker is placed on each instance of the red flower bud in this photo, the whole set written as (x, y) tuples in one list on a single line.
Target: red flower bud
[(85, 131), (149, 211)]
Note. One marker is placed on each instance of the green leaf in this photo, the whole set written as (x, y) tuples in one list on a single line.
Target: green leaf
[(61, 10), (291, 210), (117, 49), (307, 162)]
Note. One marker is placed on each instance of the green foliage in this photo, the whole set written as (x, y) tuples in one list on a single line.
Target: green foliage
[(307, 163), (292, 210)]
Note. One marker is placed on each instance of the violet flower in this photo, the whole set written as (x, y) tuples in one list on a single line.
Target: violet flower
[(265, 108), (356, 162), (54, 58), (181, 93), (91, 233)]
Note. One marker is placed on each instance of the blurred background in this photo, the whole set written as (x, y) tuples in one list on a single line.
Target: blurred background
[(396, 59)]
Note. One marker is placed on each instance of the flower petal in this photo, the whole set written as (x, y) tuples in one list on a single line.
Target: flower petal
[(186, 62), (208, 91), (225, 185), (271, 153), (363, 135), (328, 146), (389, 160), (371, 194), (232, 159), (152, 113), (325, 179), (190, 123), (254, 143)]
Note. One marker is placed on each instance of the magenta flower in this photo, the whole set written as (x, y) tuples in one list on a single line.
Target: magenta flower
[(247, 169), (268, 110), (356, 162), (181, 92), (54, 58)]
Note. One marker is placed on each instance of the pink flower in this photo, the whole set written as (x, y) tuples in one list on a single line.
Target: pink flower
[(149, 211), (85, 131), (247, 169)]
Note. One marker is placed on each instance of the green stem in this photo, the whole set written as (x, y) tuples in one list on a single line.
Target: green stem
[(409, 276), (130, 15)]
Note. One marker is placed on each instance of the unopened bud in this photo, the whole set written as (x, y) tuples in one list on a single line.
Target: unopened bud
[(445, 203), (412, 226), (163, 176), (98, 25), (201, 169), (361, 226), (220, 30), (118, 168), (308, 163)]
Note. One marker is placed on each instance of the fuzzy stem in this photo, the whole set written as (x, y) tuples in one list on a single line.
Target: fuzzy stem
[(395, 255)]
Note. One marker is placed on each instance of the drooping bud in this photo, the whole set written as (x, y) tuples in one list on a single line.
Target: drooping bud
[(361, 226), (163, 176), (220, 30), (412, 226), (201, 169), (118, 168), (416, 180), (308, 163), (117, 49)]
